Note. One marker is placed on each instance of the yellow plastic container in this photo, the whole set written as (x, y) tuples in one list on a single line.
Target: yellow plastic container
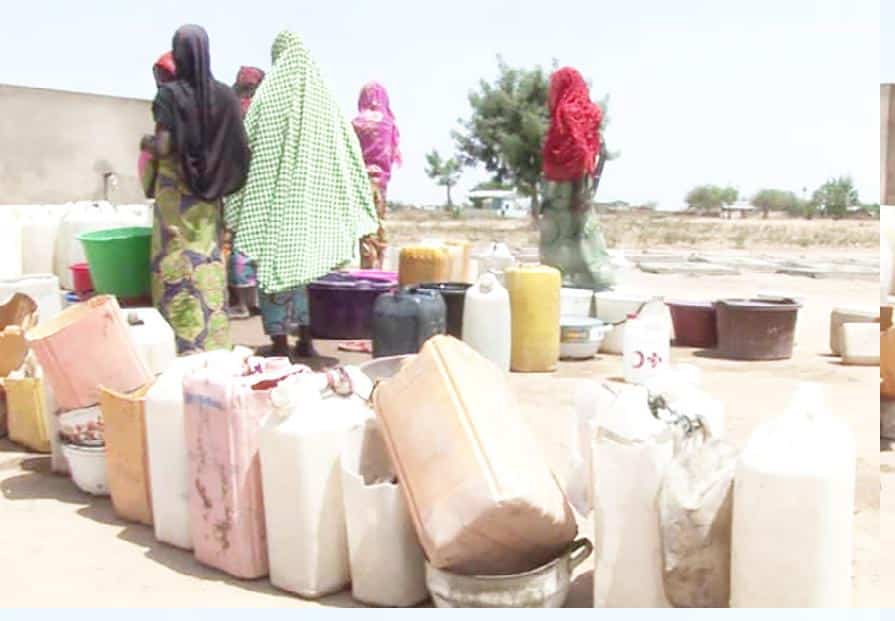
[(26, 418), (127, 458), (460, 253), (423, 264), (534, 308)]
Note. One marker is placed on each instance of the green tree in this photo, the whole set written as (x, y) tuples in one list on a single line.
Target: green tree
[(443, 172), (835, 197), (769, 200), (505, 132), (711, 197)]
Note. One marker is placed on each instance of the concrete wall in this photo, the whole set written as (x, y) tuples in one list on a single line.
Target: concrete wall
[(55, 146)]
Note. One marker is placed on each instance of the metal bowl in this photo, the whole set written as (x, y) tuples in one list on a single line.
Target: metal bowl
[(544, 587), (383, 368)]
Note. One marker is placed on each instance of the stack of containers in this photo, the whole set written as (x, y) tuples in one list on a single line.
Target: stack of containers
[(83, 349)]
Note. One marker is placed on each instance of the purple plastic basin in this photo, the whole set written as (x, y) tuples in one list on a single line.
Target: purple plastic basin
[(341, 305)]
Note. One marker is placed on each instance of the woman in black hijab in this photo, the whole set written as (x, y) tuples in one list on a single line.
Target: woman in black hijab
[(202, 154)]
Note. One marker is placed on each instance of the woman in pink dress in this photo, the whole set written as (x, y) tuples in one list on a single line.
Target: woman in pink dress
[(379, 137)]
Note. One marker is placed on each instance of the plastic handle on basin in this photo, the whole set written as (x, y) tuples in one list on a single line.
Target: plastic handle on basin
[(579, 551)]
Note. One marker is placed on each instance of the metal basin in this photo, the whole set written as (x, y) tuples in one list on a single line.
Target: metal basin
[(383, 368), (544, 587)]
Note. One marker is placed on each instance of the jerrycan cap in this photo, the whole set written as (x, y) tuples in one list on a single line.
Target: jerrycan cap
[(488, 282)]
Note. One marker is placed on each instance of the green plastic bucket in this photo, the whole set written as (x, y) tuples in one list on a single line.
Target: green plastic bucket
[(119, 260)]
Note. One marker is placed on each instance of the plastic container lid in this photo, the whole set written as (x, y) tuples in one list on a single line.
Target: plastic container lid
[(487, 282), (342, 281), (375, 275)]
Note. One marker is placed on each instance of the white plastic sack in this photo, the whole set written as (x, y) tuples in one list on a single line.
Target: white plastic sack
[(696, 512), (387, 561), (590, 398), (601, 404), (631, 451), (680, 387)]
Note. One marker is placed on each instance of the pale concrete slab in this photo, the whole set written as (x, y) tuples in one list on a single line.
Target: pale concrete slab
[(688, 268)]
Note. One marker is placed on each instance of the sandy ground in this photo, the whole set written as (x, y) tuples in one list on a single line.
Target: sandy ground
[(61, 547)]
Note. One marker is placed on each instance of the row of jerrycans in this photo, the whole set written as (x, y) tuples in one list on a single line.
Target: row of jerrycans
[(221, 427), (524, 340)]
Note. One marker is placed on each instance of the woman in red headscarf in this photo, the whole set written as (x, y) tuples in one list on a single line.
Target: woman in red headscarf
[(164, 71), (573, 157), (241, 278), (202, 151)]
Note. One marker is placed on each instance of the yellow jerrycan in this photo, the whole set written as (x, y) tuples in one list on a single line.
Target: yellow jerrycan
[(534, 308)]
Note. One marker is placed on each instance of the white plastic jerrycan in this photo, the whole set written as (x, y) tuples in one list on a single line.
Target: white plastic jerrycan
[(486, 320), (793, 510), (647, 350)]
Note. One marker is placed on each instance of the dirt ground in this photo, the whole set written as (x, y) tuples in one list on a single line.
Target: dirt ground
[(649, 231), (61, 547)]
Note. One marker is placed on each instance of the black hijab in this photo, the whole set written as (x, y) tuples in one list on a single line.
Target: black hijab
[(204, 119)]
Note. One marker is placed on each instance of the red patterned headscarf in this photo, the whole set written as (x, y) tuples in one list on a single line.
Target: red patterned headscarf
[(248, 79), (164, 69), (573, 140)]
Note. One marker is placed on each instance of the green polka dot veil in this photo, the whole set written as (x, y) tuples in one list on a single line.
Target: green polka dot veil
[(307, 199)]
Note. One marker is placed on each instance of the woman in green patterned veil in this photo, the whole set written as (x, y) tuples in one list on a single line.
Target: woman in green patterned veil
[(201, 155), (571, 239), (307, 199)]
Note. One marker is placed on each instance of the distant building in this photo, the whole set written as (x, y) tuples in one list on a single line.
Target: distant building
[(739, 208), (505, 202)]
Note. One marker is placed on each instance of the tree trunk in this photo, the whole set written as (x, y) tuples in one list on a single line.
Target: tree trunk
[(535, 207), (450, 203)]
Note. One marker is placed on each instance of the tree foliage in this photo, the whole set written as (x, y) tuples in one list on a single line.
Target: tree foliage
[(505, 132), (769, 200), (711, 197), (835, 196), (443, 172)]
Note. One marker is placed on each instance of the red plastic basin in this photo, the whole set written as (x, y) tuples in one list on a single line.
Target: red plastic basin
[(695, 324)]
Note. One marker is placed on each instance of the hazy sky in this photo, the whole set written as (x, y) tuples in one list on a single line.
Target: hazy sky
[(763, 93)]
